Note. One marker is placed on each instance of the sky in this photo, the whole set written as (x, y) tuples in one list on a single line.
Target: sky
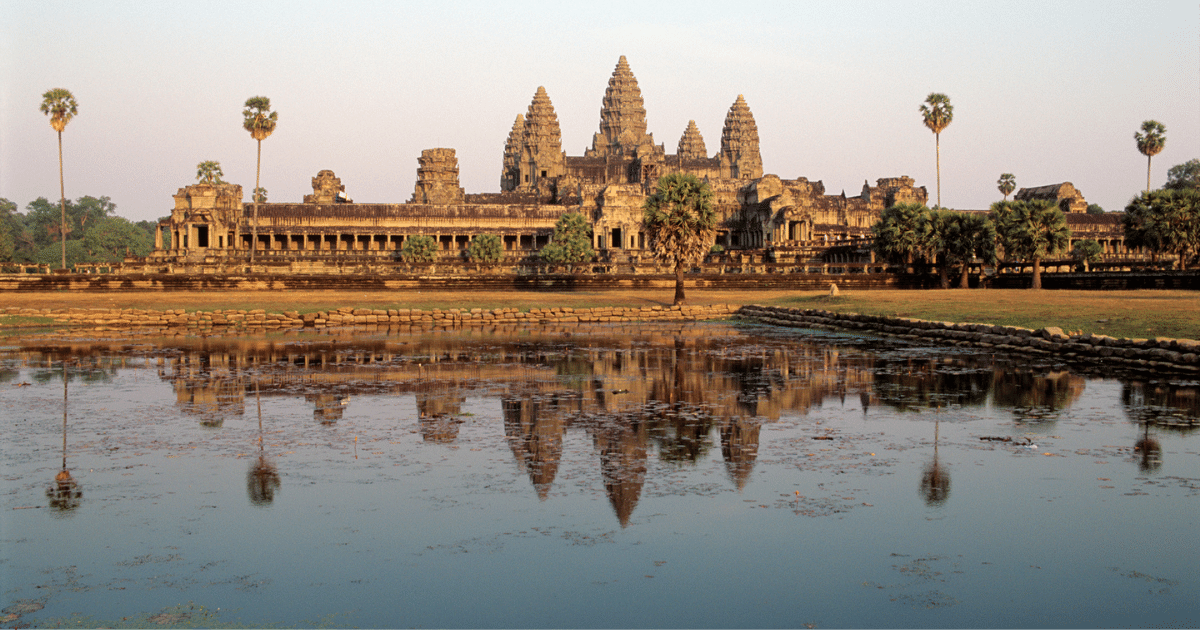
[(1048, 91)]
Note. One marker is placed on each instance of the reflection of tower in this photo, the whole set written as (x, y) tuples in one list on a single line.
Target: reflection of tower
[(622, 447), (213, 400), (328, 408), (64, 495), (1038, 396), (262, 480), (935, 480), (438, 409), (739, 447), (535, 436)]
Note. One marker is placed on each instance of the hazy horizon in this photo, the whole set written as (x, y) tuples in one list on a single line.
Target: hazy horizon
[(1049, 93)]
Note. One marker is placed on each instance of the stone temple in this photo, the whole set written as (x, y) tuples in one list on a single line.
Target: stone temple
[(775, 217)]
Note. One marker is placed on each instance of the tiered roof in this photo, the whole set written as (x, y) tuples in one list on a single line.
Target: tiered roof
[(691, 144), (739, 142)]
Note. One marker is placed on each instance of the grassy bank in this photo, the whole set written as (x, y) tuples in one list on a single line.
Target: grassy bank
[(1116, 313)]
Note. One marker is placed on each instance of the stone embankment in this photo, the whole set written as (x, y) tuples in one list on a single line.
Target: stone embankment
[(1160, 354), (240, 320)]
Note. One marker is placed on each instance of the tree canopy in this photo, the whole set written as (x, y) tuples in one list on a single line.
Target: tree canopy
[(1030, 231), (571, 243), (1186, 175), (485, 248), (59, 104), (1007, 183), (680, 223), (937, 113), (1165, 222), (419, 248), (209, 172), (898, 232)]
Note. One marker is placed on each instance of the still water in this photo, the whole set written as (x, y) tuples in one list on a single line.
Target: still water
[(698, 475)]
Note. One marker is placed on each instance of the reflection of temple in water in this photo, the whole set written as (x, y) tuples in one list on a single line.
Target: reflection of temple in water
[(680, 393)]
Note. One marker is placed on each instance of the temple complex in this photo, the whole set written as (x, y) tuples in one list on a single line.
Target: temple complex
[(766, 215)]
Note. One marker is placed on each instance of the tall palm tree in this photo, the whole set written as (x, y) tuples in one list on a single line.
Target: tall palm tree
[(937, 112), (681, 223), (1007, 183), (59, 104), (260, 121), (1150, 141)]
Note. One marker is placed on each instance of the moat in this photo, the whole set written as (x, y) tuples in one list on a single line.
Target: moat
[(633, 475)]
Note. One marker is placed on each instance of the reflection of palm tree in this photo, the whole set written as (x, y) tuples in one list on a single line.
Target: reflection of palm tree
[(935, 480), (263, 479), (1150, 452), (64, 495)]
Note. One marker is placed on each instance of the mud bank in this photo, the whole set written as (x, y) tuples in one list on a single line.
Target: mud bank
[(1160, 354)]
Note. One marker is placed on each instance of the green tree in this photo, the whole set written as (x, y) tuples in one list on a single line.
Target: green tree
[(209, 172), (419, 248), (485, 248), (1086, 251), (1150, 141), (571, 243), (1165, 221), (1007, 183), (59, 104), (971, 236), (87, 209), (936, 232), (898, 233), (9, 226), (681, 223), (937, 113), (49, 254), (112, 238), (1032, 231), (260, 121), (260, 195), (1094, 208), (1186, 175)]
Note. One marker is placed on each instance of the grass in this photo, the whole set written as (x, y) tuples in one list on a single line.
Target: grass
[(1115, 313)]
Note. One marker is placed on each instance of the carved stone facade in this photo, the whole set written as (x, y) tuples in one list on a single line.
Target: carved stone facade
[(539, 183), (1064, 195)]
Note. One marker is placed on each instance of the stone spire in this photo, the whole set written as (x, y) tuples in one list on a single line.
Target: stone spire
[(437, 178), (510, 175), (543, 155), (622, 116), (740, 158), (691, 144)]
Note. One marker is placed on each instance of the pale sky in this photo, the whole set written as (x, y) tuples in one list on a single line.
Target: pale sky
[(1049, 91)]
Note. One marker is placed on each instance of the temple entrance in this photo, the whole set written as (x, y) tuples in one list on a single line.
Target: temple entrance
[(201, 236)]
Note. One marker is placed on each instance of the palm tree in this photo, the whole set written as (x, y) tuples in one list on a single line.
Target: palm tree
[(1150, 141), (209, 172), (1031, 230), (681, 223), (898, 232), (59, 104), (971, 236), (260, 121), (937, 112), (1007, 183)]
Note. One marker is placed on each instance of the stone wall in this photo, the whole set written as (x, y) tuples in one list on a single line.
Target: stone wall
[(1161, 354)]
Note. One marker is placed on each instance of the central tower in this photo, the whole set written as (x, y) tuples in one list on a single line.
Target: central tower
[(622, 117)]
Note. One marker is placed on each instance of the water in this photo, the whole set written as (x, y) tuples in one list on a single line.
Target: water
[(698, 475)]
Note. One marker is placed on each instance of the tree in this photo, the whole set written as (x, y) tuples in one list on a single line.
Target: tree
[(209, 172), (1165, 221), (419, 248), (1007, 183), (1094, 208), (1150, 141), (1186, 175), (571, 243), (260, 121), (1031, 230), (485, 248), (937, 113), (898, 233), (110, 239), (936, 232), (1086, 251), (260, 195), (59, 104), (971, 236), (9, 225), (680, 222)]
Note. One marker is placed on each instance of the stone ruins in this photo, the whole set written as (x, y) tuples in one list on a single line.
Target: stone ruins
[(763, 217)]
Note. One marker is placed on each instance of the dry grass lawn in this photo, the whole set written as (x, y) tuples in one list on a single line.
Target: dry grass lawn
[(1116, 313)]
